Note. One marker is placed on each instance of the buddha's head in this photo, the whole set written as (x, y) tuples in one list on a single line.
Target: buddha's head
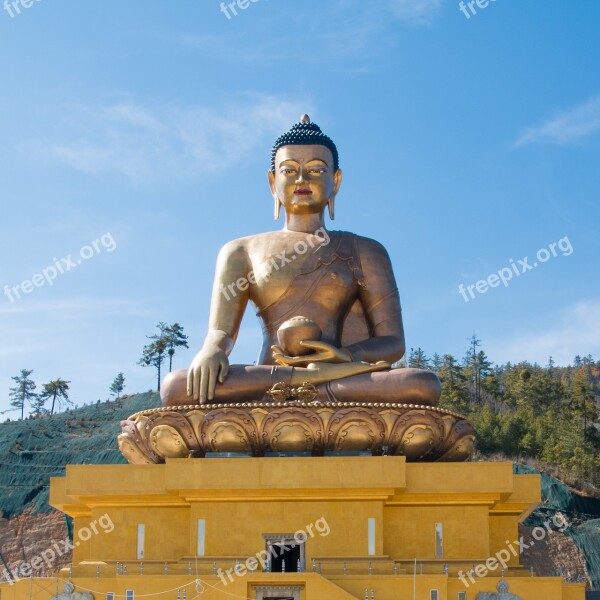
[(305, 174)]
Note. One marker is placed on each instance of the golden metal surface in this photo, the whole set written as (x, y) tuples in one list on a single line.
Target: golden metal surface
[(281, 392), (342, 283), (323, 381), (420, 433), (294, 332)]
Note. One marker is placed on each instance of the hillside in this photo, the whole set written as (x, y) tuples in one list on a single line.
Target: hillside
[(34, 450)]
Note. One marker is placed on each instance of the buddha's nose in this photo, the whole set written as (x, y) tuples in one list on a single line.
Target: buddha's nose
[(301, 176)]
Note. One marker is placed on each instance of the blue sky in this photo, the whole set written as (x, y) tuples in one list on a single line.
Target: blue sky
[(465, 143)]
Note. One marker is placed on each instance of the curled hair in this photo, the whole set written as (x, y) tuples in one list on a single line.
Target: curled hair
[(305, 133)]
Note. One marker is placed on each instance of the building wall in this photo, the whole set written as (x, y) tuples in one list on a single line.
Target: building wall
[(236, 528), (409, 532), (478, 505), (166, 534), (503, 528)]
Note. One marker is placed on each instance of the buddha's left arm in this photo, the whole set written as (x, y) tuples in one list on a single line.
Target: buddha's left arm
[(381, 303)]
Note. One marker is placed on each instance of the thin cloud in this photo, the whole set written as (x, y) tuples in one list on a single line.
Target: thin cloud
[(567, 127), (147, 144), (575, 331), (75, 306), (416, 12)]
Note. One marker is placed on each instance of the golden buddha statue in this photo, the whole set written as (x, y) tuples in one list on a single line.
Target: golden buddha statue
[(341, 281), (332, 327)]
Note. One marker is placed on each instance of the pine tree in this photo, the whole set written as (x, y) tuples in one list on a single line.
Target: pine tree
[(174, 338), (38, 405), (477, 368), (436, 363), (153, 355), (118, 385), (58, 391), (582, 400), (23, 392), (166, 341), (455, 391), (417, 359)]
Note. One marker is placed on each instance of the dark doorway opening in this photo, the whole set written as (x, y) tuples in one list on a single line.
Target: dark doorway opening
[(286, 559)]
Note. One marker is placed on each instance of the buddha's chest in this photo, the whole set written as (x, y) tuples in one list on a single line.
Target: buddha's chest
[(288, 278)]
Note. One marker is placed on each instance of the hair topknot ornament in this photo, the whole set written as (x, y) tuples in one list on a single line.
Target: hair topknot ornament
[(305, 133)]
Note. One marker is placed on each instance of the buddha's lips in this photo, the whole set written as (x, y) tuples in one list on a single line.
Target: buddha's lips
[(302, 192)]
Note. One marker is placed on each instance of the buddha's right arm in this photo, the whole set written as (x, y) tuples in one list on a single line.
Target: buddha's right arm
[(229, 296), (229, 300)]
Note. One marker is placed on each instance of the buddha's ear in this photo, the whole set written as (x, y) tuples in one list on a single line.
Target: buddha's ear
[(337, 181), (271, 177)]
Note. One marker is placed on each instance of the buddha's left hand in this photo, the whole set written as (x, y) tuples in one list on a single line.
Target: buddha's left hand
[(324, 352)]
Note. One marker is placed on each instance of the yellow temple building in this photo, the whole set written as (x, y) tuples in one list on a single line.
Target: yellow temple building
[(296, 528)]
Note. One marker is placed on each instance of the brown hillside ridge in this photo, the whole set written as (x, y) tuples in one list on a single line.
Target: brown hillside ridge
[(25, 537), (555, 554)]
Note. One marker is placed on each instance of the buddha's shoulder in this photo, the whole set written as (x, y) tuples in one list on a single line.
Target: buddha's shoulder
[(247, 243), (365, 245)]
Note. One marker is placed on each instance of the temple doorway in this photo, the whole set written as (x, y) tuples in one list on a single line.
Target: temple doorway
[(287, 559), (286, 554), (278, 592)]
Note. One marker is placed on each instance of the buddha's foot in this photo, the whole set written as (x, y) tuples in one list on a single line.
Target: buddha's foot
[(313, 427)]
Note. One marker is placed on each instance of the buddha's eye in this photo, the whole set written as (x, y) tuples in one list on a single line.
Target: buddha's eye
[(317, 171), (287, 171)]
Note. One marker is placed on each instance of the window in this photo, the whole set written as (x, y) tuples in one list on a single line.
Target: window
[(439, 541), (110, 596), (201, 535), (371, 536), (129, 595), (462, 595), (433, 595), (140, 541)]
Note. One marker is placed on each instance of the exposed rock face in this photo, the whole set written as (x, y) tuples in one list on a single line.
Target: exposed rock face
[(35, 541), (555, 554)]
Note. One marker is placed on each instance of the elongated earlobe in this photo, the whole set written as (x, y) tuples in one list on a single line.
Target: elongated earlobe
[(277, 211), (331, 207)]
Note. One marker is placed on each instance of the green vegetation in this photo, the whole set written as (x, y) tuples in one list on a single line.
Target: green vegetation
[(525, 411), (165, 342), (118, 385), (58, 390), (23, 392), (33, 450)]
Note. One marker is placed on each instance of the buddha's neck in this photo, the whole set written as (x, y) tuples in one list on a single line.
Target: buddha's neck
[(304, 223)]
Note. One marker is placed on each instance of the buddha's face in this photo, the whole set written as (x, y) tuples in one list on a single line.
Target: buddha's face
[(304, 179)]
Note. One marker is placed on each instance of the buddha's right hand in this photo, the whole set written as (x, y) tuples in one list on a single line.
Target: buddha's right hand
[(209, 366)]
